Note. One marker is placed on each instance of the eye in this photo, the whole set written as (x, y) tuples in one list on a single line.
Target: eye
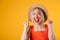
[(39, 13), (33, 13)]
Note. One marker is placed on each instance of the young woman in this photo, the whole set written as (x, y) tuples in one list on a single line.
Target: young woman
[(38, 31)]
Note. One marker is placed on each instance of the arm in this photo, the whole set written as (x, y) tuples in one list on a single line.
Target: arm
[(25, 34), (50, 31)]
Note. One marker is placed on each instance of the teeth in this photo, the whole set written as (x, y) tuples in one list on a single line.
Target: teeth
[(36, 20)]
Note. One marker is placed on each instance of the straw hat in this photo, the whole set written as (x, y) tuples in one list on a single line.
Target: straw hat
[(44, 9)]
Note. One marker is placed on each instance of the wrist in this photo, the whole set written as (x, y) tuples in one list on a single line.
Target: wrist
[(26, 29)]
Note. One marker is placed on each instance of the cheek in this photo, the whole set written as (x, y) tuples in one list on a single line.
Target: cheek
[(39, 16), (32, 18)]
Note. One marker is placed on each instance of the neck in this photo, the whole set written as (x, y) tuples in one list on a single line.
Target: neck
[(39, 25)]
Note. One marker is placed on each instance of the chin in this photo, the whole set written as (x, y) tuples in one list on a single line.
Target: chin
[(37, 23)]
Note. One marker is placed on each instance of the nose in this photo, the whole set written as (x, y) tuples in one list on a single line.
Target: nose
[(36, 15)]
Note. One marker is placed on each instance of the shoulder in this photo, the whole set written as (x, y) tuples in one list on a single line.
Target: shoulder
[(46, 25), (31, 26)]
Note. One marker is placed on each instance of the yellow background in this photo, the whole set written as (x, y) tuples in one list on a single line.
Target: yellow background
[(13, 14)]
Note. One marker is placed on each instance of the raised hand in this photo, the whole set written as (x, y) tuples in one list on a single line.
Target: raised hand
[(26, 25), (50, 32), (50, 23)]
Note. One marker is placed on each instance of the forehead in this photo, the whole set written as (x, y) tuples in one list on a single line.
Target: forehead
[(36, 10)]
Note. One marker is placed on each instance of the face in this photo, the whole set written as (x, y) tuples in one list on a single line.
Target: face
[(36, 16)]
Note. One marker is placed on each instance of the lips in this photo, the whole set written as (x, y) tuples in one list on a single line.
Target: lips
[(36, 20)]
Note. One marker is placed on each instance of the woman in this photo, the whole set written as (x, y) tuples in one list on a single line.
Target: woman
[(38, 31)]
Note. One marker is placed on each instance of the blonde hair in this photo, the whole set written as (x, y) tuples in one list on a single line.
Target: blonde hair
[(43, 13)]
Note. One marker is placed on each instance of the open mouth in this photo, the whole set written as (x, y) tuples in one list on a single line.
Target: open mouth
[(36, 20)]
